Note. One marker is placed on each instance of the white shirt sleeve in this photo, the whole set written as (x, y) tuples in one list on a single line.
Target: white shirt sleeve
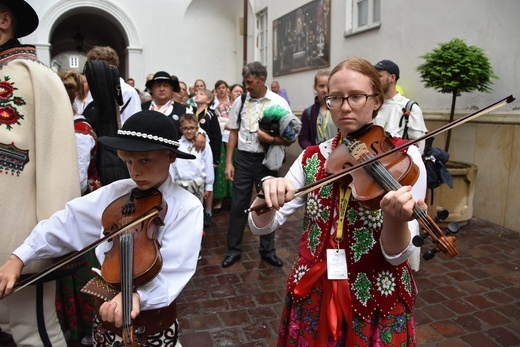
[(84, 144), (80, 224), (131, 96)]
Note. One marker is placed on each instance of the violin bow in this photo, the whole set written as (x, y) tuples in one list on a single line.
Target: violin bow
[(30, 280), (262, 208)]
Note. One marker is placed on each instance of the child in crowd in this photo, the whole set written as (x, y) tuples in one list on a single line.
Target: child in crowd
[(196, 176), (148, 144), (222, 185), (210, 124)]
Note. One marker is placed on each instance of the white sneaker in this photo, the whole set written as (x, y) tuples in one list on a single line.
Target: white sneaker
[(86, 340)]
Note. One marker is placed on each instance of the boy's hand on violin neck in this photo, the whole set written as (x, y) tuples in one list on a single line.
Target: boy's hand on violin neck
[(112, 311), (397, 205), (9, 274)]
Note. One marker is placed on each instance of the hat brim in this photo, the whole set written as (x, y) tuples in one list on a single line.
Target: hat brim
[(140, 145), (175, 85), (26, 17)]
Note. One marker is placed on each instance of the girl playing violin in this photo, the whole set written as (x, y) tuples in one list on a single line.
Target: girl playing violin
[(351, 284), (148, 144)]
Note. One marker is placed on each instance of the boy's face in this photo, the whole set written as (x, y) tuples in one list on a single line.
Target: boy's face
[(189, 129), (148, 169), (201, 98)]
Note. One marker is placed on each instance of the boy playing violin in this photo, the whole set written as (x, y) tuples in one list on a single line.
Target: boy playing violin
[(148, 144)]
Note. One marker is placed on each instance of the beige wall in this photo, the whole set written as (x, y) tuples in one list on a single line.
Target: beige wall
[(491, 142)]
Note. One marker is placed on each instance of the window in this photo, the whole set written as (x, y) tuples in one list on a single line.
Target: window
[(261, 40), (362, 15), (74, 62)]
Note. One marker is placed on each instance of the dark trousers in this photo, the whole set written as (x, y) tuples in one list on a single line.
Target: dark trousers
[(248, 172)]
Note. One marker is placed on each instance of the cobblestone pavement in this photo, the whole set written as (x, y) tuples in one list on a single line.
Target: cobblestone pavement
[(472, 299)]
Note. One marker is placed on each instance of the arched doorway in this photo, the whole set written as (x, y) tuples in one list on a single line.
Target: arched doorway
[(98, 23)]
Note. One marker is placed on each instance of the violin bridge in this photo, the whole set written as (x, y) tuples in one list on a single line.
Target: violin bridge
[(358, 149)]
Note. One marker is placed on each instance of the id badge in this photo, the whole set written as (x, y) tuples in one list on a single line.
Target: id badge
[(336, 264), (249, 137)]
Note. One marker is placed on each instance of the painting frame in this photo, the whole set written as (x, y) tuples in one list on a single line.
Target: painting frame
[(301, 39)]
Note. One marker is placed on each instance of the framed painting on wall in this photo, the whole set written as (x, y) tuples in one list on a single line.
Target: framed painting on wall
[(301, 39)]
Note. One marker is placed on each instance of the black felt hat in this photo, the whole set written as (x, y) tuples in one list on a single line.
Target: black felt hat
[(146, 131), (26, 18), (389, 66), (164, 76)]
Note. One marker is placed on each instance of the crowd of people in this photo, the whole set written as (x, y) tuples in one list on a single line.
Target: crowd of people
[(186, 151)]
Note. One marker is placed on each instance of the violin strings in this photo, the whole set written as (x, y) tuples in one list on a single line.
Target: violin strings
[(389, 182), (127, 247)]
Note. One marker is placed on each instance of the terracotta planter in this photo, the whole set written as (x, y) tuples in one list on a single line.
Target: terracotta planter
[(459, 201)]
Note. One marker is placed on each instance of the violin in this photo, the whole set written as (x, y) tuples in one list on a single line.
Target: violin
[(377, 178), (134, 258)]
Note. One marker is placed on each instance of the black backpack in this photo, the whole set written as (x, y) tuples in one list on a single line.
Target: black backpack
[(103, 114), (243, 99), (405, 118)]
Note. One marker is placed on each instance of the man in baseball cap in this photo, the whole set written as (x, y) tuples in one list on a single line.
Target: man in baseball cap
[(392, 115), (388, 66)]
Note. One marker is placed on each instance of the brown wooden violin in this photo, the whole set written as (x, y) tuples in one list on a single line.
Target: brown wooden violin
[(377, 178), (135, 257), (133, 260)]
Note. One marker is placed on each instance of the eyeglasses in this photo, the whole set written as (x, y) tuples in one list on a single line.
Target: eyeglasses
[(188, 128), (354, 100)]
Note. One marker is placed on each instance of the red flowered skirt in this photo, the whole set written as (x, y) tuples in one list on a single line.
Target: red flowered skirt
[(299, 326), (75, 309)]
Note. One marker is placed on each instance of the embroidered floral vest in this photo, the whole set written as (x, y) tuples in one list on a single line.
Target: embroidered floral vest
[(374, 282)]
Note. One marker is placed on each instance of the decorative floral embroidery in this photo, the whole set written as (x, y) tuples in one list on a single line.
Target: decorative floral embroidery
[(386, 283), (12, 159), (406, 278), (306, 222), (9, 113), (393, 330), (362, 287), (313, 208), (351, 216), (326, 191), (311, 169), (299, 272), (364, 242), (371, 218), (314, 238), (325, 214)]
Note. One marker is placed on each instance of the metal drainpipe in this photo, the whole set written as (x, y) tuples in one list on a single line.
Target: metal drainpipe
[(244, 62)]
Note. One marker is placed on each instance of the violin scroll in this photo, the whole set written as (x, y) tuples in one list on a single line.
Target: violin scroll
[(445, 241)]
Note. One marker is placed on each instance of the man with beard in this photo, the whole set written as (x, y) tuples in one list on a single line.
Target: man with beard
[(392, 115)]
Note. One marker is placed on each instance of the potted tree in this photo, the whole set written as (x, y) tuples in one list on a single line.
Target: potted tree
[(455, 68)]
